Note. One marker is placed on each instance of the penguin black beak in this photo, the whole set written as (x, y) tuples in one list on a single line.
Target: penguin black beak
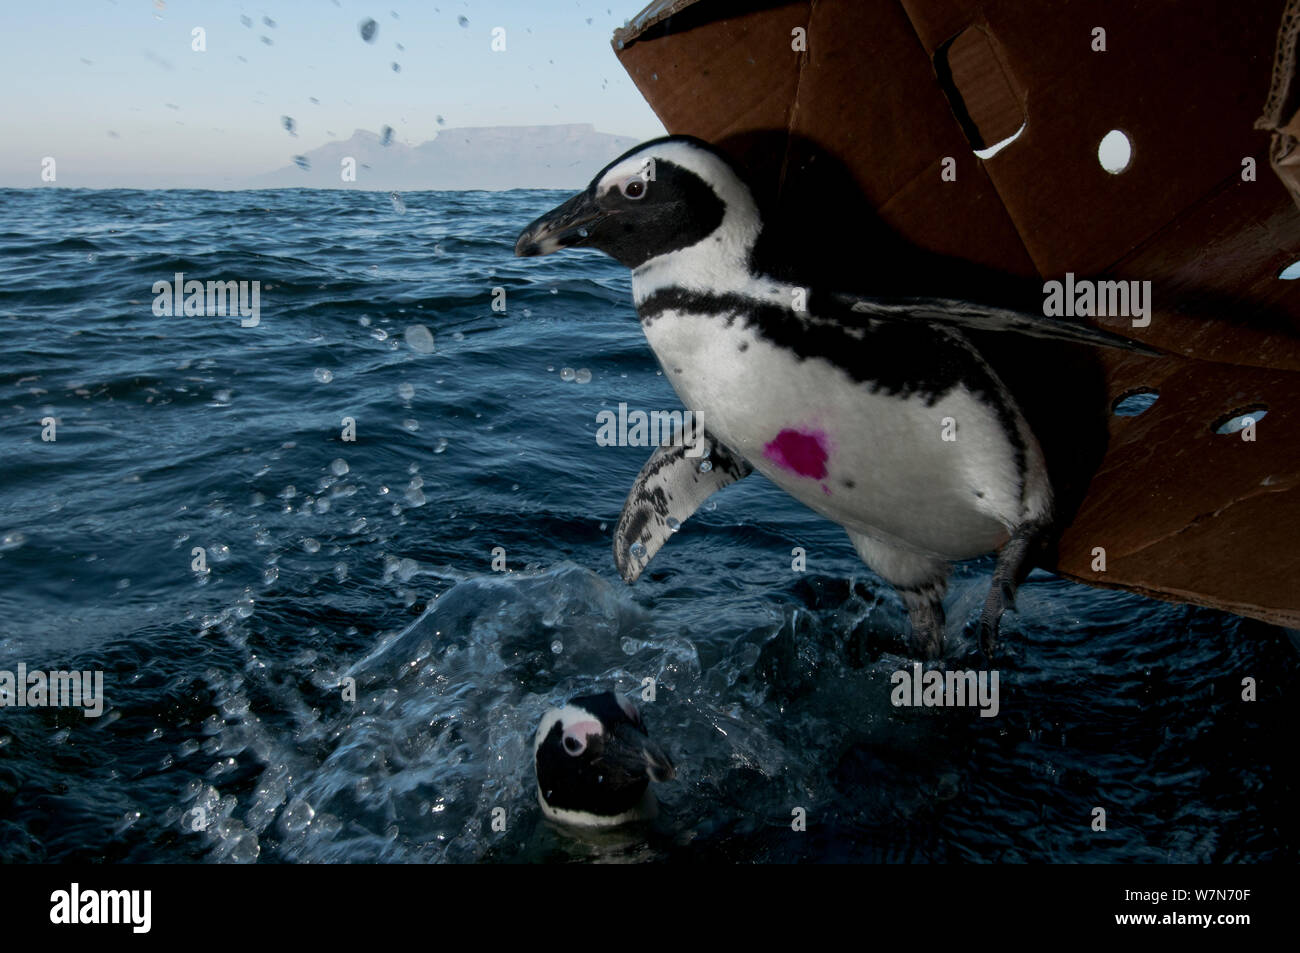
[(564, 226), (636, 754)]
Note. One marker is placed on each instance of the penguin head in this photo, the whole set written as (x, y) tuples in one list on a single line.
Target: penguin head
[(666, 196), (595, 762)]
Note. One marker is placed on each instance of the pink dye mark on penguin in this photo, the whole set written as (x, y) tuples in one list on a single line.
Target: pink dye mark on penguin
[(800, 452)]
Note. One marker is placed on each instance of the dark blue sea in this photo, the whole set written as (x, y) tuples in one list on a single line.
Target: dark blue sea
[(224, 735)]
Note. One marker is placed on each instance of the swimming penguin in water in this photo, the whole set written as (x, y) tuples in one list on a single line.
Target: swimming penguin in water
[(595, 762), (879, 415)]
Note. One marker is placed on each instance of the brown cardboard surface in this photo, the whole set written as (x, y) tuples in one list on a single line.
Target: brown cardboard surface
[(859, 125)]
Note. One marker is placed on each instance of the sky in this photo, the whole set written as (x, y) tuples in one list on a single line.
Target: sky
[(114, 91)]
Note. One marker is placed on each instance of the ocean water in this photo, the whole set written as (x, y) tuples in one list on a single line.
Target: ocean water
[(225, 736)]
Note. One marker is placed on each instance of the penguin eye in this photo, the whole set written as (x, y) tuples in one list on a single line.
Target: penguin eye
[(574, 745), (634, 188)]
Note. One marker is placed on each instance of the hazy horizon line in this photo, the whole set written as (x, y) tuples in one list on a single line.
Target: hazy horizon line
[(51, 186)]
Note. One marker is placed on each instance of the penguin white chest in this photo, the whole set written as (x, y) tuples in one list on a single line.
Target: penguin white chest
[(937, 474)]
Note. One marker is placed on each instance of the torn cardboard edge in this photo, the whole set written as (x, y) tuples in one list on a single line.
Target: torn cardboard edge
[(1281, 116), (655, 13)]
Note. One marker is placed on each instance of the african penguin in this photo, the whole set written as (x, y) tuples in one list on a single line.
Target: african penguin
[(878, 414), (595, 763)]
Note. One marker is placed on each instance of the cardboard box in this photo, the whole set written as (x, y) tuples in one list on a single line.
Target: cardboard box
[(848, 137)]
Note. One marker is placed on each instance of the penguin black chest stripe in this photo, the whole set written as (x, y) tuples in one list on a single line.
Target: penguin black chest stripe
[(892, 357)]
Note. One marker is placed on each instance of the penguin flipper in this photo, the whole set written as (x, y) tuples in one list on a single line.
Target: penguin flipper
[(1014, 562), (974, 317), (671, 485)]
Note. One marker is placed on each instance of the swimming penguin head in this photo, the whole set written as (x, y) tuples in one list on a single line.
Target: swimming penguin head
[(663, 196), (595, 763)]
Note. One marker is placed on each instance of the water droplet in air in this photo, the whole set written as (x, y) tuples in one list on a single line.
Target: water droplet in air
[(297, 816), (323, 375), (673, 524), (419, 338), (557, 646), (637, 549), (11, 541), (244, 849), (706, 466), (582, 375), (567, 374), (339, 467)]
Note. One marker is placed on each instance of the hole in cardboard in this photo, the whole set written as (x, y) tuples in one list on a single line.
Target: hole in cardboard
[(1115, 152), (1291, 272), (1134, 402), (1239, 418)]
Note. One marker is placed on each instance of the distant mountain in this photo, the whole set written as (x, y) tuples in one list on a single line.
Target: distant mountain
[(487, 157)]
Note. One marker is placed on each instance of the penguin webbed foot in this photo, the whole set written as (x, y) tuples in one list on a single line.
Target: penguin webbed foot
[(1000, 598), (1014, 562), (926, 638), (925, 613)]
